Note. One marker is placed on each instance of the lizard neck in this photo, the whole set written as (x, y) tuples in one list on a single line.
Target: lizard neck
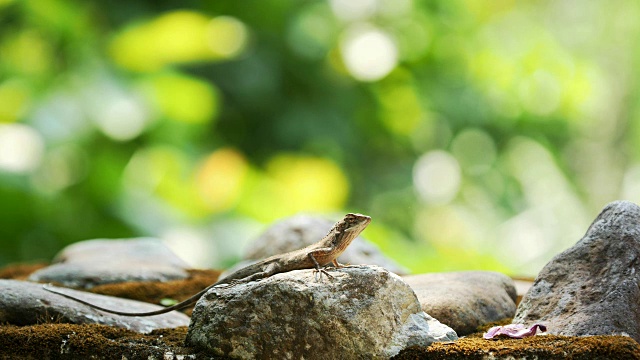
[(342, 241)]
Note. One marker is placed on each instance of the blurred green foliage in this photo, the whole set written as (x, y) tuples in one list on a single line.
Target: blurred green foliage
[(479, 135)]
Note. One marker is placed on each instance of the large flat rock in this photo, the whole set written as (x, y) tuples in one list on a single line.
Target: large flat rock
[(27, 303)]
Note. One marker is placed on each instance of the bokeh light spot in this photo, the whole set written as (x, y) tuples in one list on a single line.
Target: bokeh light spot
[(21, 148), (294, 183), (14, 99), (437, 177), (190, 244), (369, 54), (312, 33), (540, 94), (221, 178), (475, 150), (444, 226), (402, 112), (148, 167), (413, 38), (350, 10), (524, 241), (121, 118), (227, 36), (309, 183), (183, 98), (28, 52), (167, 173), (61, 167)]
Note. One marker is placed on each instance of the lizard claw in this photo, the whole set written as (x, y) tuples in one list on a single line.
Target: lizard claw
[(321, 271)]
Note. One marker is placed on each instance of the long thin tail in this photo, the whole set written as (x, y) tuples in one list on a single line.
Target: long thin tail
[(178, 306)]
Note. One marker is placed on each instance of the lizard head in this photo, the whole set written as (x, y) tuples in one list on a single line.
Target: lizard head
[(353, 224), (350, 227)]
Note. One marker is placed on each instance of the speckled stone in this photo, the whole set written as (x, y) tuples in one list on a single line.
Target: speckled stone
[(593, 288)]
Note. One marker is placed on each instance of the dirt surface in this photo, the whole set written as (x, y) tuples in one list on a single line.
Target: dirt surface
[(20, 271), (67, 341)]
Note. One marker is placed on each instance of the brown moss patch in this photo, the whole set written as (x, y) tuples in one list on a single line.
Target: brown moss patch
[(20, 271), (544, 346), (86, 341), (541, 347), (474, 346)]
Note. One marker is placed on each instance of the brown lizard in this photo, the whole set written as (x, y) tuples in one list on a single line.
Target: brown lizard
[(313, 256)]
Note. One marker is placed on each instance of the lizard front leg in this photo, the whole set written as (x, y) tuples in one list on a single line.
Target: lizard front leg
[(317, 269)]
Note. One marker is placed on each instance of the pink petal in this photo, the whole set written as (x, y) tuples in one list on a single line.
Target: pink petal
[(516, 331)]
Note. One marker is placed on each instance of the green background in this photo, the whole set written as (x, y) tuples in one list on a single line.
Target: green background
[(477, 134)]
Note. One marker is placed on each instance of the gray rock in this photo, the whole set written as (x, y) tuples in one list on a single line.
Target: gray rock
[(104, 261), (299, 231), (363, 312), (25, 303), (593, 288), (465, 300)]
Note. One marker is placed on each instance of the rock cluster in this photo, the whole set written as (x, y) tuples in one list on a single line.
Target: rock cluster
[(366, 311)]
